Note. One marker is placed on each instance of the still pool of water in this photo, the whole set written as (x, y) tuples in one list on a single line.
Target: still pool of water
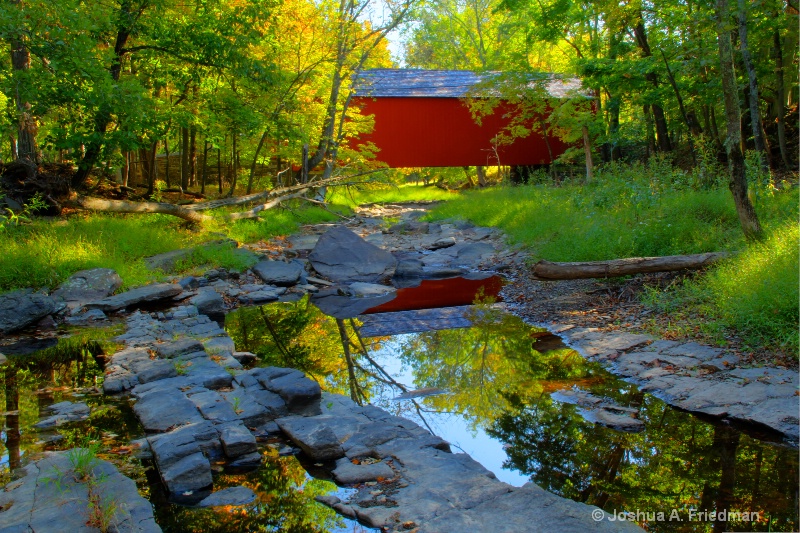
[(488, 389), (493, 387)]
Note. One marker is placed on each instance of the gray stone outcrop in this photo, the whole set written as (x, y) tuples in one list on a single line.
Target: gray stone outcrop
[(341, 255), (140, 295), (88, 286), (22, 308), (49, 499), (279, 273), (695, 377)]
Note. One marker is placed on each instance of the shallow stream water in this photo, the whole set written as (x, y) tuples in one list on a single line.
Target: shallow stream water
[(488, 389)]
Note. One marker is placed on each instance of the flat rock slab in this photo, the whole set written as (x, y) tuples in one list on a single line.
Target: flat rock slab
[(423, 485), (396, 323), (348, 473), (694, 377), (63, 413), (528, 508), (234, 496), (146, 294), (88, 286), (341, 255), (602, 411), (278, 273), (208, 302), (19, 309), (600, 345), (32, 503), (333, 303)]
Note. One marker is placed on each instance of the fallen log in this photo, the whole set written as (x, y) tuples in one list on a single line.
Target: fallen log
[(253, 213), (546, 270), (121, 206)]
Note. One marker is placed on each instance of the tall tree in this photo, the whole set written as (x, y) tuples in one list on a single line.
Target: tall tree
[(736, 166), (27, 125)]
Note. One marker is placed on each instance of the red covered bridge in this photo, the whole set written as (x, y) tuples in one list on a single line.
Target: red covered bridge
[(422, 120)]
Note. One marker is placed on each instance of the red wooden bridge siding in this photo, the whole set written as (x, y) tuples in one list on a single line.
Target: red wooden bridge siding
[(440, 132), (422, 120)]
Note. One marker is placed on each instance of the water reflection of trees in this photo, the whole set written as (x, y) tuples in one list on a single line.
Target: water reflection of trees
[(499, 381), (33, 381), (498, 376), (678, 462), (294, 335), (284, 502)]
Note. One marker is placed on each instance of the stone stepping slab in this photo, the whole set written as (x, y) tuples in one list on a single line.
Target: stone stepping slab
[(396, 323), (407, 478), (696, 378), (49, 494)]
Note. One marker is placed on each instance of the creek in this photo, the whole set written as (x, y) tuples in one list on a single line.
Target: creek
[(510, 394)]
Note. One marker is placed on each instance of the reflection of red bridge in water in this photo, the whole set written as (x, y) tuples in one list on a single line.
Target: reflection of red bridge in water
[(444, 292), (422, 120)]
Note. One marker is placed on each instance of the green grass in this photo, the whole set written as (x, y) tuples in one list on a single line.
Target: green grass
[(46, 252), (387, 193), (754, 294), (613, 217), (654, 211)]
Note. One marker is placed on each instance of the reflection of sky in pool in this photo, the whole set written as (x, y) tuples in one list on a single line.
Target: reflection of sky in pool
[(451, 427)]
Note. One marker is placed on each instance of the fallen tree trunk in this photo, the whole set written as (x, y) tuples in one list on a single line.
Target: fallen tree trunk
[(545, 270), (253, 213), (121, 206), (279, 192)]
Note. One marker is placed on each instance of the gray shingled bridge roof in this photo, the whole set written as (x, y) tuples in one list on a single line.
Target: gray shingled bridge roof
[(442, 83)]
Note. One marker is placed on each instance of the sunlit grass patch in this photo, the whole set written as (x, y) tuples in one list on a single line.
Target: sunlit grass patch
[(385, 193), (46, 252)]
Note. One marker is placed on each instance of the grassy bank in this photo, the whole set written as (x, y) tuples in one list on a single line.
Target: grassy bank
[(386, 193), (652, 211), (46, 252)]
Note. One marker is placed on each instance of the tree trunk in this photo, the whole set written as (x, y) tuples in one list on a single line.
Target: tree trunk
[(755, 113), (648, 123), (26, 126), (482, 174), (205, 167), (184, 159), (219, 169), (680, 105), (119, 206), (736, 168), (147, 172), (662, 131), (235, 170), (624, 267), (193, 155), (126, 168), (255, 162), (166, 169), (780, 97), (587, 150), (305, 169), (715, 131)]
